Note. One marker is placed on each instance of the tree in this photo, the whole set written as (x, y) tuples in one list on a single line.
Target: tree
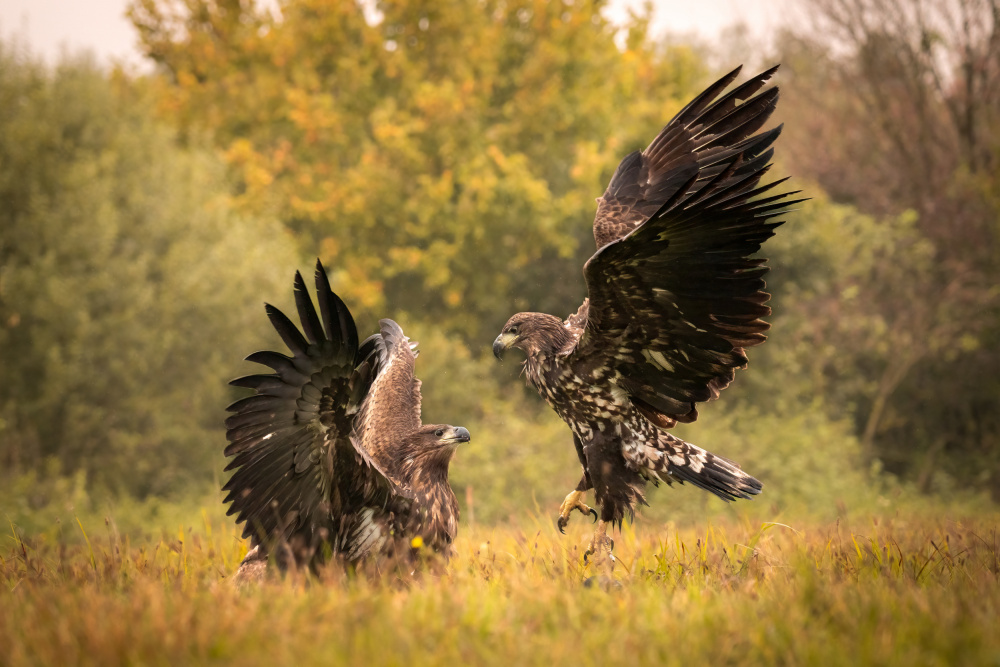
[(126, 283), (443, 156), (896, 106)]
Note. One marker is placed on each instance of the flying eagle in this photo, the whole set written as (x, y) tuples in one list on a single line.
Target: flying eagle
[(330, 456), (674, 299)]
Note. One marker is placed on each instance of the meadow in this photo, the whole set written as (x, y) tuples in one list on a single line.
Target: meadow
[(898, 588), (443, 161)]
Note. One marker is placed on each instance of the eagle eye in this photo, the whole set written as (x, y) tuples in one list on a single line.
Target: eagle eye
[(439, 432), (512, 330)]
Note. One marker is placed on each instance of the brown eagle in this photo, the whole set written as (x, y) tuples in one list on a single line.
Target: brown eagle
[(330, 457), (675, 298)]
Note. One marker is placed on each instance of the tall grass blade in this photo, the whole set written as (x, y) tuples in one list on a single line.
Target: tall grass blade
[(93, 559)]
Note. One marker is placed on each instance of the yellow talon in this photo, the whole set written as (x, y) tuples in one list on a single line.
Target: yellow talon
[(573, 501)]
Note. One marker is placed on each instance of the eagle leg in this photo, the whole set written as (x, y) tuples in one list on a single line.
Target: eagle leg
[(573, 501), (252, 569), (600, 546)]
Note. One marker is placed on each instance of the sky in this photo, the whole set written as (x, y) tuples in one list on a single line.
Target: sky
[(47, 27)]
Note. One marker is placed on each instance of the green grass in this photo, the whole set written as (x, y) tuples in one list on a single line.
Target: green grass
[(902, 590)]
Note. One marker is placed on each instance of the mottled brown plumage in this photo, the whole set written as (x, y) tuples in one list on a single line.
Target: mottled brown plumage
[(330, 457), (675, 297)]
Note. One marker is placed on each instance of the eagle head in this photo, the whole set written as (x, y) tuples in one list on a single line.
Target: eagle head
[(435, 436), (428, 450), (437, 440), (533, 333)]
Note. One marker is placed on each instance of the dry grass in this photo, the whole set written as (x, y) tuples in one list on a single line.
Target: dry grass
[(889, 591)]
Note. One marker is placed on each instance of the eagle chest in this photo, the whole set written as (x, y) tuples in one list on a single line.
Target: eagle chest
[(584, 400)]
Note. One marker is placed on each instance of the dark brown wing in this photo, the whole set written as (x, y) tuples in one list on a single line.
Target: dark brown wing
[(391, 410), (700, 139), (297, 472), (674, 302)]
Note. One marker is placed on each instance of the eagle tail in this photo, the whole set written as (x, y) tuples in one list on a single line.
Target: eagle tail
[(685, 462)]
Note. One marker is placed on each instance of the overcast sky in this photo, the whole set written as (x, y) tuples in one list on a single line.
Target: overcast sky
[(48, 26)]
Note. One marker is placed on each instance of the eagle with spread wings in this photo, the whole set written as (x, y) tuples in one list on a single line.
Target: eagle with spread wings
[(675, 297), (329, 453)]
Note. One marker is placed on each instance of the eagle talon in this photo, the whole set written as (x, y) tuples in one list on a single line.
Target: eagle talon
[(600, 547), (573, 501)]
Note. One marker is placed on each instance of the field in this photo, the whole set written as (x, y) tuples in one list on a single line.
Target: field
[(902, 590)]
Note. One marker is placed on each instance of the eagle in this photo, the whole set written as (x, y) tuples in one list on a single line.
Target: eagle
[(330, 457), (675, 297)]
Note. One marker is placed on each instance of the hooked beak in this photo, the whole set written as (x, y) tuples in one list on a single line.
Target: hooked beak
[(459, 434), (501, 344)]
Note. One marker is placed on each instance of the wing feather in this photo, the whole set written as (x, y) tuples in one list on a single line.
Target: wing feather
[(391, 410), (675, 294), (698, 142)]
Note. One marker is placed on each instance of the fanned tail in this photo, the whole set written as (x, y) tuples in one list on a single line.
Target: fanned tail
[(685, 462)]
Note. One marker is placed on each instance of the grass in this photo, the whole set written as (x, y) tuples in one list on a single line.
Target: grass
[(901, 590)]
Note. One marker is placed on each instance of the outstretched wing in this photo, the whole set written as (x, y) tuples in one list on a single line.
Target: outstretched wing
[(700, 140), (296, 469), (391, 410), (674, 294)]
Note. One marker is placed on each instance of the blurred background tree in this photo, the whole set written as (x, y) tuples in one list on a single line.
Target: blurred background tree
[(896, 110), (126, 284), (443, 161), (442, 158)]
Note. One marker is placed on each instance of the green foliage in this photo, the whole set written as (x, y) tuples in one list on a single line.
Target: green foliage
[(47, 504), (809, 463), (126, 284), (908, 589), (890, 110), (830, 265), (444, 159), (863, 322)]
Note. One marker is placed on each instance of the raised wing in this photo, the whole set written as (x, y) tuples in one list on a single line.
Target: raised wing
[(297, 472), (391, 410), (701, 139), (674, 302)]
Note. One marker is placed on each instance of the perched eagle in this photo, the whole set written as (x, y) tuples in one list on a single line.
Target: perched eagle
[(675, 298), (330, 456)]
